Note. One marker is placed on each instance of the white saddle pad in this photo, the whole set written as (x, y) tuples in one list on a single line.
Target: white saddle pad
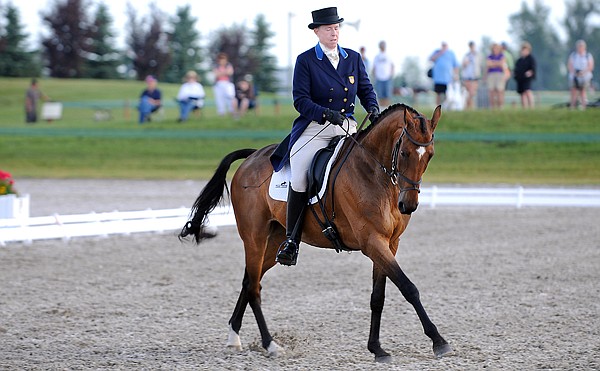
[(278, 188)]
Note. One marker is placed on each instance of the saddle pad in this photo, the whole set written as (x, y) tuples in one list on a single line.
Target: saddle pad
[(278, 188)]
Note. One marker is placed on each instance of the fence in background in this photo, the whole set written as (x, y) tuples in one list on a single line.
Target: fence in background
[(126, 222)]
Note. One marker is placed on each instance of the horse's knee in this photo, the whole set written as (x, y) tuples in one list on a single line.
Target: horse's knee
[(410, 293), (377, 304)]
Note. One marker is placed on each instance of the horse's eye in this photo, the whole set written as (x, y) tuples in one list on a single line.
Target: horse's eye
[(403, 154)]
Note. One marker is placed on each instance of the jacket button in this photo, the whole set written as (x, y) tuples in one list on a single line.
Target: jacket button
[(345, 89), (330, 100), (343, 110), (345, 99)]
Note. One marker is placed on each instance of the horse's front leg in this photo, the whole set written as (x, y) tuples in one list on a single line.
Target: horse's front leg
[(411, 294), (377, 302)]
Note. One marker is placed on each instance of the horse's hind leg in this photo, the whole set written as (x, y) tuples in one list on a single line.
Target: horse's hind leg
[(235, 322), (377, 302), (275, 236), (258, 262)]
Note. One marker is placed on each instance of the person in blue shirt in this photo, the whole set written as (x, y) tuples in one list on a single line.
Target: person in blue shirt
[(327, 80), (149, 99), (445, 70)]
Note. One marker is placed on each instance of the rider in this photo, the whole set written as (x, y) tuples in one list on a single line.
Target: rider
[(327, 80)]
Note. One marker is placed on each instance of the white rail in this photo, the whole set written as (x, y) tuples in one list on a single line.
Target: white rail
[(516, 196), (126, 222), (103, 224)]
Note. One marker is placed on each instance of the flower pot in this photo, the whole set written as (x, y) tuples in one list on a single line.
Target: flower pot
[(13, 206)]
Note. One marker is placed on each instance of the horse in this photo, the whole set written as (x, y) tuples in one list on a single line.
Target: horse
[(375, 190)]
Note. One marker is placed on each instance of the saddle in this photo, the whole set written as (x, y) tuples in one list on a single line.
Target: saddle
[(318, 167), (316, 181)]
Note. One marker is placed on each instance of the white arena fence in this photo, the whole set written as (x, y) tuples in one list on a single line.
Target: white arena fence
[(126, 222)]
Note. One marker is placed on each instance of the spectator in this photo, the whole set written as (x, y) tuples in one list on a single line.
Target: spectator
[(245, 95), (363, 56), (150, 100), (190, 96), (496, 72), (524, 73), (580, 66), (445, 70), (383, 75), (224, 89), (32, 97), (510, 61), (470, 74)]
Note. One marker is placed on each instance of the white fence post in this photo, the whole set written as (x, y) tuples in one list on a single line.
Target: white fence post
[(520, 195)]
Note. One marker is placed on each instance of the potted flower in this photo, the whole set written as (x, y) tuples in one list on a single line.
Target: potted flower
[(12, 205)]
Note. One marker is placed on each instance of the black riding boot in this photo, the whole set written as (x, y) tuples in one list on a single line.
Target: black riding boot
[(296, 204)]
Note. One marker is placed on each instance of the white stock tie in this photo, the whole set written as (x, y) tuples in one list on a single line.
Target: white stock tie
[(333, 57)]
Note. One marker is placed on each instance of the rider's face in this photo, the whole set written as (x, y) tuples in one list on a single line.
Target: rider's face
[(328, 35)]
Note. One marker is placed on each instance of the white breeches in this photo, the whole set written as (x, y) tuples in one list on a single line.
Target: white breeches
[(312, 139), (224, 92)]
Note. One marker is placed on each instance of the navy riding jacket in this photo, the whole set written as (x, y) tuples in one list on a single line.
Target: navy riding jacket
[(318, 86)]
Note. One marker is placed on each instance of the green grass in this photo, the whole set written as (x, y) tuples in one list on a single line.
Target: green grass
[(543, 146)]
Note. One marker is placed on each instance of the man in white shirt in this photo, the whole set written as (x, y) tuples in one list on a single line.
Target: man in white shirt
[(383, 74)]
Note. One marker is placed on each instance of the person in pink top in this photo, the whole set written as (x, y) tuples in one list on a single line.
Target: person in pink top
[(224, 88)]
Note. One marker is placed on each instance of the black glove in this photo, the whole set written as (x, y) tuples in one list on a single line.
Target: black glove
[(335, 117), (374, 114)]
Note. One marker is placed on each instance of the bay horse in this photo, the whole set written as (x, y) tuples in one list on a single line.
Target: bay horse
[(374, 193)]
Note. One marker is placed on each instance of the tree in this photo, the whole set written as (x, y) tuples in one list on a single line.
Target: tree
[(185, 51), (264, 75), (578, 15), (15, 60), (70, 38), (149, 50), (533, 25), (103, 58)]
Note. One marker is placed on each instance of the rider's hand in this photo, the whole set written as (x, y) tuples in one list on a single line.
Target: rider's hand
[(374, 114), (335, 117)]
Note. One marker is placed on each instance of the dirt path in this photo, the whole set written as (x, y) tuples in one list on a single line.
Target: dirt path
[(508, 288)]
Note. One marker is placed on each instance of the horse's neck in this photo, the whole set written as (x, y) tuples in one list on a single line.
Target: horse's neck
[(381, 139)]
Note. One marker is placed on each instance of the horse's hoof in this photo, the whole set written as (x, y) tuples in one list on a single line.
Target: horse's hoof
[(237, 348), (233, 340), (442, 350), (274, 350), (383, 358)]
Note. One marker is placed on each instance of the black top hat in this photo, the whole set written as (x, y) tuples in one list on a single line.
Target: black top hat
[(325, 16)]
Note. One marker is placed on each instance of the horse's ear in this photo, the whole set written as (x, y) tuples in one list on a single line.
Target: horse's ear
[(408, 119), (436, 117)]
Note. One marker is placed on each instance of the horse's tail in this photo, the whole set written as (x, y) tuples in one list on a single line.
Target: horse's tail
[(210, 197)]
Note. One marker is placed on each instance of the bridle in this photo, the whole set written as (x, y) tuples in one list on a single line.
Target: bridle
[(393, 173)]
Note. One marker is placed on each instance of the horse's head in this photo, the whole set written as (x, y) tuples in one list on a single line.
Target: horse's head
[(412, 153)]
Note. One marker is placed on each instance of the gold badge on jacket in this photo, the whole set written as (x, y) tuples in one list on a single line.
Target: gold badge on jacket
[(351, 78)]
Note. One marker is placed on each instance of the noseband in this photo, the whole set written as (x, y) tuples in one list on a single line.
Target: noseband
[(394, 174)]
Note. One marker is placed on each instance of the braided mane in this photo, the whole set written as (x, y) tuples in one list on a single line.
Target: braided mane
[(387, 112)]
